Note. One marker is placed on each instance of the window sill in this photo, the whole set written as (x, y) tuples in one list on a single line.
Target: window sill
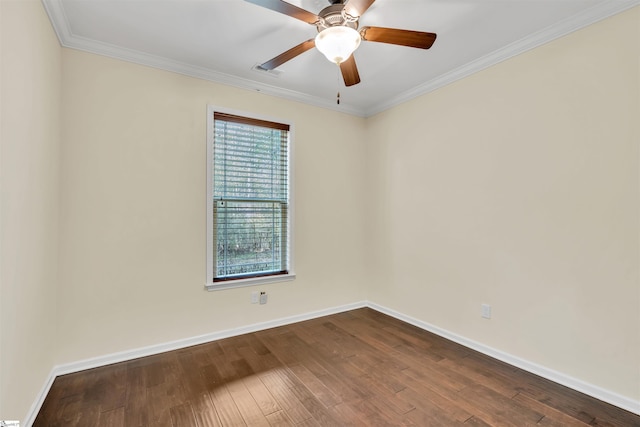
[(252, 281)]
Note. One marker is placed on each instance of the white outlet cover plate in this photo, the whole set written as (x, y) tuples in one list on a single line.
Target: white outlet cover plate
[(486, 311)]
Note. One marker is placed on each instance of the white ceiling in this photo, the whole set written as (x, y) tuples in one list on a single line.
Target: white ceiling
[(222, 40)]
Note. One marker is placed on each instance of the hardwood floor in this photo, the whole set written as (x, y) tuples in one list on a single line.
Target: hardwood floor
[(359, 368)]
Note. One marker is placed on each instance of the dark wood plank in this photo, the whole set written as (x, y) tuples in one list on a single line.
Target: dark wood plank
[(476, 422), (432, 417), (265, 400), (206, 354), (279, 418), (71, 408), (226, 407), (182, 416), (552, 416), (416, 394), (280, 388), (193, 381), (136, 411), (204, 411), (208, 419), (317, 410), (320, 391), (111, 418), (246, 404), (497, 409), (344, 414), (349, 369), (160, 403), (375, 414)]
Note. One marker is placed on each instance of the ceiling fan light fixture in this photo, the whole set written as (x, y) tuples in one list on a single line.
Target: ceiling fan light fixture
[(338, 43)]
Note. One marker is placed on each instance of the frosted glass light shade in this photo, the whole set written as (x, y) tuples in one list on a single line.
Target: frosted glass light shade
[(337, 43)]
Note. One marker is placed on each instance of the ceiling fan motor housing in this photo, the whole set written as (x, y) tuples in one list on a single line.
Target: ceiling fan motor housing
[(332, 16)]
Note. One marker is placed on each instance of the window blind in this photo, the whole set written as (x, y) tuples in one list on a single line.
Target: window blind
[(251, 197)]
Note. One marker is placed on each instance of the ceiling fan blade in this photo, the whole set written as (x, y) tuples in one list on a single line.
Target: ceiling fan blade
[(356, 8), (409, 38), (288, 9), (350, 72), (288, 55)]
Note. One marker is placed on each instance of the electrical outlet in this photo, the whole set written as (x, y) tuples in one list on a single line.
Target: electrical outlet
[(486, 311), (255, 295), (263, 297)]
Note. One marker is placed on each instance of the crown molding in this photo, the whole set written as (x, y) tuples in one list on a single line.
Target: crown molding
[(562, 28), (55, 10)]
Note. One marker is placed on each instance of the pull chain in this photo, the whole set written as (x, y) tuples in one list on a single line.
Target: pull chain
[(338, 96)]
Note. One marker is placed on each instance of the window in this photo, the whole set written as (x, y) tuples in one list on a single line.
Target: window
[(248, 201)]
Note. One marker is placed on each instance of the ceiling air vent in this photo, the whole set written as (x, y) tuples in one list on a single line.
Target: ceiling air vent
[(272, 73)]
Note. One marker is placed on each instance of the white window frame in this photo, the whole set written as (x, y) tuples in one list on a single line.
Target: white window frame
[(210, 285)]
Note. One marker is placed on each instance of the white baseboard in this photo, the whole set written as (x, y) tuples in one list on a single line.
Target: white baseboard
[(123, 356), (557, 377), (581, 386), (37, 404)]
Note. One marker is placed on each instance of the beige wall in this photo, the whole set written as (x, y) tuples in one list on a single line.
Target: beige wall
[(518, 187), (30, 137), (133, 209)]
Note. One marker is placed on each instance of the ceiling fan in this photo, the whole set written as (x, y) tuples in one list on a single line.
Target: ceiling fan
[(338, 35)]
